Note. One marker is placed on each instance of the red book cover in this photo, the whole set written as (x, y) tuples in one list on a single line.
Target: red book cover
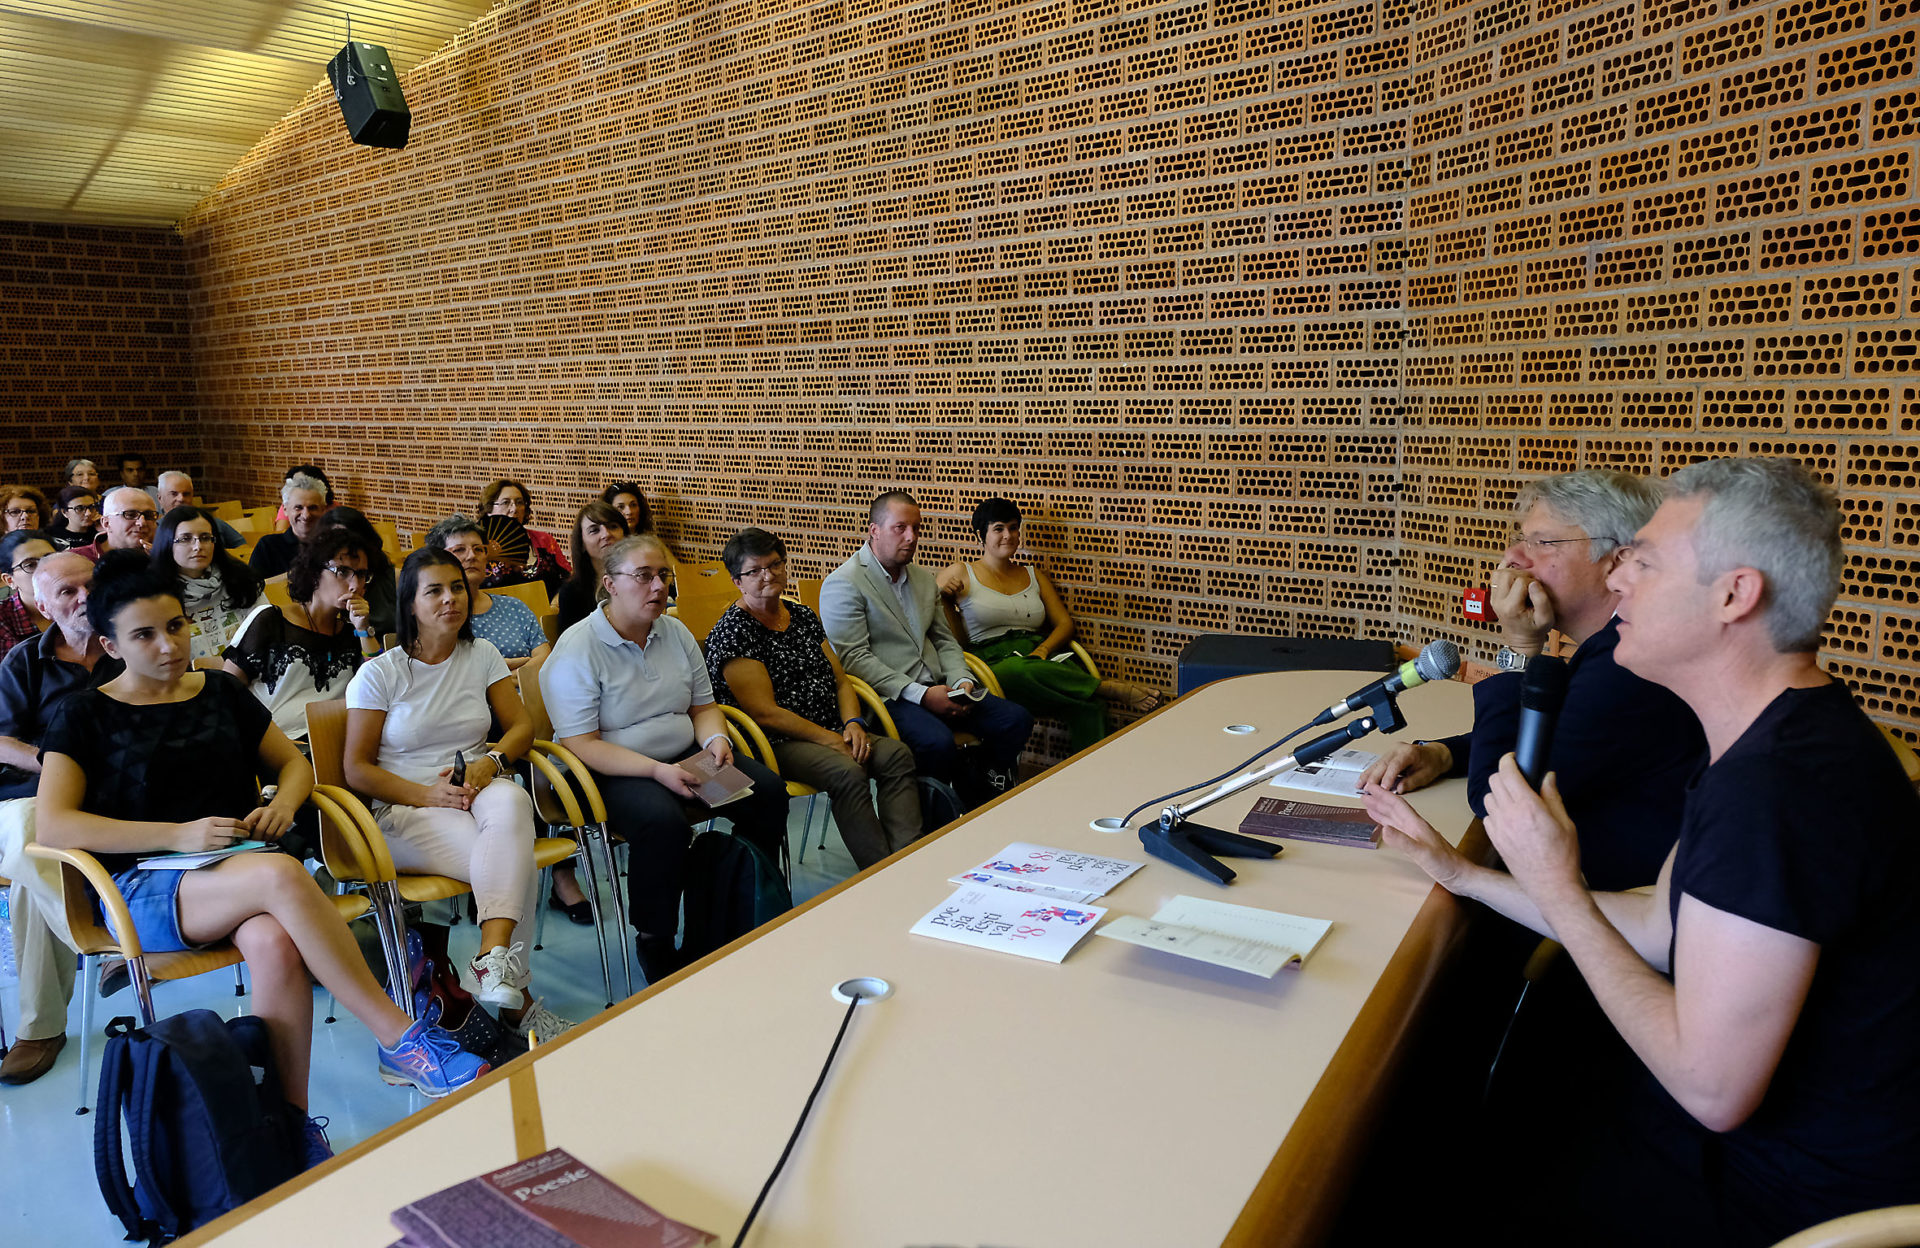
[(554, 1200), (1309, 821)]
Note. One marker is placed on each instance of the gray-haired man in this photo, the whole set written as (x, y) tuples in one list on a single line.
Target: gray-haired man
[(303, 498)]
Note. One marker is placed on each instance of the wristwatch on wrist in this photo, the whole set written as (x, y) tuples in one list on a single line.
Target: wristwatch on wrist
[(1510, 660), (500, 764)]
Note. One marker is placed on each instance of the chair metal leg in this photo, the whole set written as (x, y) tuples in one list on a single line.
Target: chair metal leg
[(142, 991), (588, 877), (88, 988), (540, 908), (331, 1009), (240, 988), (390, 919), (616, 886)]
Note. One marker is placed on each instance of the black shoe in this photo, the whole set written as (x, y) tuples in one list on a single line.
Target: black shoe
[(581, 912)]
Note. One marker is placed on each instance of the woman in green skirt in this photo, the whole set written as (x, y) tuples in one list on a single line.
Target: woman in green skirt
[(1009, 614)]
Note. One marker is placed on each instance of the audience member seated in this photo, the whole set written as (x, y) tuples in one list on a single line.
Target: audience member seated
[(882, 612), (133, 474), (625, 497), (23, 508), (502, 619), (163, 758), (1769, 984), (381, 587), (128, 523), (770, 658), (419, 712), (1009, 614), (596, 528), (216, 589), (1574, 530), (548, 564), (20, 616), (308, 651), (82, 473), (77, 522), (280, 518), (34, 677), (628, 692), (175, 489), (302, 499)]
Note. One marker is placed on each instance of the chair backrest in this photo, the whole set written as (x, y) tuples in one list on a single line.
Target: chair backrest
[(692, 575), (533, 593), (327, 739), (277, 592), (230, 510), (808, 592), (550, 625), (701, 611), (535, 702), (389, 540), (1909, 761), (265, 519)]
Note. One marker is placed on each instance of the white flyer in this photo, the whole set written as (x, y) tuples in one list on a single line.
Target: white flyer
[(1063, 873), (1240, 938), (994, 918), (1338, 773)]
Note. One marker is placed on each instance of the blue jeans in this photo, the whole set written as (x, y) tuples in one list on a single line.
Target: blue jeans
[(1002, 726)]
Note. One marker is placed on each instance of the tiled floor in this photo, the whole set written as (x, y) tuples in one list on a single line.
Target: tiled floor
[(48, 1195)]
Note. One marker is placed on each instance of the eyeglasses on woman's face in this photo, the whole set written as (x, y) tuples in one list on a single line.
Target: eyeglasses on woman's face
[(192, 541), (29, 512), (771, 570), (352, 576), (84, 509)]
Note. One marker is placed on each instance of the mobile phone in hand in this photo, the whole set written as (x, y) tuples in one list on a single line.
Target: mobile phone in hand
[(459, 776)]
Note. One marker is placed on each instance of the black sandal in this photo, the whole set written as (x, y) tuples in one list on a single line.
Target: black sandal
[(581, 912)]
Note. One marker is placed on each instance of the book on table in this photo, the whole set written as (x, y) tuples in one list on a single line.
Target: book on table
[(1338, 773), (1240, 938), (554, 1200), (1062, 874), (1310, 821), (1008, 922)]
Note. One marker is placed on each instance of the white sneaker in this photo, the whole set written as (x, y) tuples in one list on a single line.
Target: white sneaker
[(540, 1023), (499, 974)]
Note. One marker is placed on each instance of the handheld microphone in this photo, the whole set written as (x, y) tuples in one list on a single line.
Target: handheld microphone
[(1440, 660), (1543, 689)]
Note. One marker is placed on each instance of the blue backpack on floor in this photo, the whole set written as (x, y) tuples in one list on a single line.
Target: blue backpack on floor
[(206, 1116)]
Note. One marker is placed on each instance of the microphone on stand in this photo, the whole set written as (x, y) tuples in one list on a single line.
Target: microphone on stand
[(1543, 690), (1439, 661)]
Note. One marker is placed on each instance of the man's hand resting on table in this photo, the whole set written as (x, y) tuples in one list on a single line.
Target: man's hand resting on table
[(1403, 829), (1408, 766)]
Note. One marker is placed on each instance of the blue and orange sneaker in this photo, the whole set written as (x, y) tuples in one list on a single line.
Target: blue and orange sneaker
[(430, 1060)]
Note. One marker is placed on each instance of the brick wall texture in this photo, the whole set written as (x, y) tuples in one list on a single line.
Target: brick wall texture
[(1262, 308), (95, 349)]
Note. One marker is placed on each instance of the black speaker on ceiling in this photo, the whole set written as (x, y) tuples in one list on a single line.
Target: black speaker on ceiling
[(369, 95)]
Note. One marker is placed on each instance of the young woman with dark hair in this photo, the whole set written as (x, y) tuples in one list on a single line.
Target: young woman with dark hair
[(596, 528), (162, 758), (414, 714), (77, 517), (217, 590), (625, 497)]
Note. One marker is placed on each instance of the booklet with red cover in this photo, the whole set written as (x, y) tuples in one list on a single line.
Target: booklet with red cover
[(554, 1200)]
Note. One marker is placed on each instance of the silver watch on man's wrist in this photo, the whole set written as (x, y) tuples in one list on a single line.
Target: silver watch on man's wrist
[(1510, 660)]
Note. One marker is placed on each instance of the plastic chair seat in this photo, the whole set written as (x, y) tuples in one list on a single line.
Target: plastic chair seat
[(551, 850)]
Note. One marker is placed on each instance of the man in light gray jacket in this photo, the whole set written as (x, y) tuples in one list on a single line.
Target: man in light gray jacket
[(882, 613)]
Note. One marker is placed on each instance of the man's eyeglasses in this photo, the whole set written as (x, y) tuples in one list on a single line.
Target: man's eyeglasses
[(1541, 545), (358, 576), (767, 572), (131, 516), (646, 576), (26, 566), (194, 540)]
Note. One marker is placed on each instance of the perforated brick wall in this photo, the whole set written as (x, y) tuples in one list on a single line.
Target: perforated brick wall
[(95, 354), (1262, 308)]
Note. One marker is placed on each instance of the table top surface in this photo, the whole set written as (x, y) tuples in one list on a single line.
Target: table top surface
[(992, 1099)]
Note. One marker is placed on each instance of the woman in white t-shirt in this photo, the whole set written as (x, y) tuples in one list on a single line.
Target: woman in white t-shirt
[(410, 712)]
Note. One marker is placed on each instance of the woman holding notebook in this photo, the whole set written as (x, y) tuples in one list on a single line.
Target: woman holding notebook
[(162, 758)]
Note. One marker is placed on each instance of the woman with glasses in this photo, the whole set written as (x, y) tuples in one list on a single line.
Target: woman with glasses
[(83, 474), (20, 616), (596, 528), (307, 651), (501, 619), (629, 693), (78, 520), (1009, 614), (23, 507), (417, 723), (771, 658), (217, 590), (380, 587), (503, 496), (625, 497)]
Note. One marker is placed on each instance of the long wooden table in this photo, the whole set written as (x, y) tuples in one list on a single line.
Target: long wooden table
[(1122, 1097)]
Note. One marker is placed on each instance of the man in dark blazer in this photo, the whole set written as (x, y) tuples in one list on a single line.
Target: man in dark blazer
[(882, 613)]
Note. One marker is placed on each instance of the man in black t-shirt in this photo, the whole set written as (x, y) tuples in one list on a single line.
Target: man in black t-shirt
[(1770, 984), (303, 498), (34, 678)]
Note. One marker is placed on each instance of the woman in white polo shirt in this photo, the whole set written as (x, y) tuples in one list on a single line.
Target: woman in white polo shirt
[(628, 691)]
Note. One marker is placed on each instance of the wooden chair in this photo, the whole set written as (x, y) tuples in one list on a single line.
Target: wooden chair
[(750, 739), (533, 593), (230, 510), (82, 878), (701, 611), (389, 540), (691, 576), (388, 888), (1894, 1227), (566, 797), (550, 625), (265, 519), (243, 524), (806, 592), (1909, 761), (275, 588)]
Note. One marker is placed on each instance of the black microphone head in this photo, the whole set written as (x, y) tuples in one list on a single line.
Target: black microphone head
[(1440, 660), (1543, 686)]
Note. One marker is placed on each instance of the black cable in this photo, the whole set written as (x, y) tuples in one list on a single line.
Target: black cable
[(793, 1139), (1237, 767)]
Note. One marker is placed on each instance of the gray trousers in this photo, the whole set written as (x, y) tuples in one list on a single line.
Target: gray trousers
[(46, 970), (870, 835)]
